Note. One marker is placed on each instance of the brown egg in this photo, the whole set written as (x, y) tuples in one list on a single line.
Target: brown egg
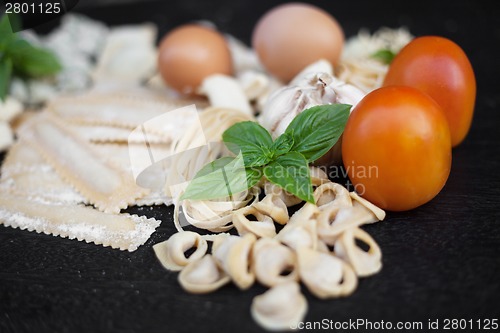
[(291, 36), (190, 53)]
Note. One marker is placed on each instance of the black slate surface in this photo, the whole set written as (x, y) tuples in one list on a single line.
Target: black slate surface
[(440, 261)]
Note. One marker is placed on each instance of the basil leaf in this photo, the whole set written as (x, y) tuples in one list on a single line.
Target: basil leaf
[(253, 140), (6, 34), (384, 56), (32, 61), (291, 172), (317, 129), (5, 74), (5, 26), (282, 144), (15, 23), (225, 180)]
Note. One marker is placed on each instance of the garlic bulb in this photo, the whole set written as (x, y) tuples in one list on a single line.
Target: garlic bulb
[(286, 103), (320, 66), (308, 90)]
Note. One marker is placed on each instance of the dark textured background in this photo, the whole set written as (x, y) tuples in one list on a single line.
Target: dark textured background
[(440, 261)]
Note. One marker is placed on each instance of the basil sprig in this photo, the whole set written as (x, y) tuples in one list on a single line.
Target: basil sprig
[(20, 58), (284, 161)]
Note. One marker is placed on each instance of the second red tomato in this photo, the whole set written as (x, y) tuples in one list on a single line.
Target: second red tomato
[(440, 68)]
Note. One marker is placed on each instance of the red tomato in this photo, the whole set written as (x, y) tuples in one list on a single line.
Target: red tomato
[(396, 148), (440, 68)]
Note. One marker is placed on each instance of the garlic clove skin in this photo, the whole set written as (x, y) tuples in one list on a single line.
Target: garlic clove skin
[(345, 93), (320, 66)]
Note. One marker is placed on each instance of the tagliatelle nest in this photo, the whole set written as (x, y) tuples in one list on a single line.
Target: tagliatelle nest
[(299, 252), (359, 67)]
